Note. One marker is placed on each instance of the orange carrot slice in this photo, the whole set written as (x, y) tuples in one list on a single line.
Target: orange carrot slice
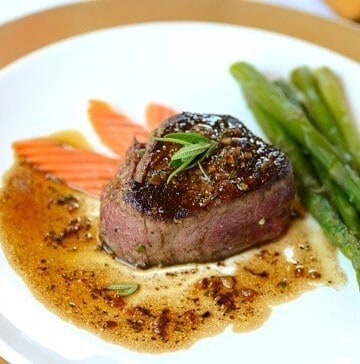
[(80, 169), (115, 130), (156, 113)]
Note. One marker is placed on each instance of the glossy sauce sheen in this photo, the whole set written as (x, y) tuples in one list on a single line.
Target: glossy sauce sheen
[(56, 252)]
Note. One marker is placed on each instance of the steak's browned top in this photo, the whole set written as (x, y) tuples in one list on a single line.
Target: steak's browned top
[(240, 164)]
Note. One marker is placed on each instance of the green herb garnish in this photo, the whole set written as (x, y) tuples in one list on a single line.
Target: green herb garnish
[(123, 289), (195, 148)]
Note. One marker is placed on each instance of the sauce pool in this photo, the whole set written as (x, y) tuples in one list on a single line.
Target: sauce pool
[(57, 254)]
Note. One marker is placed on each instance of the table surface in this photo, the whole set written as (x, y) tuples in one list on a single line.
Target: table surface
[(10, 10)]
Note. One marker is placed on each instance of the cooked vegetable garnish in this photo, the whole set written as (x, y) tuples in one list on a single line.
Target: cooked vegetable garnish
[(292, 93), (115, 130), (287, 126), (81, 169), (309, 189), (156, 113), (333, 93), (320, 115), (347, 211), (298, 126)]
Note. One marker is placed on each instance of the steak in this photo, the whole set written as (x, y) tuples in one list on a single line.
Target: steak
[(240, 196)]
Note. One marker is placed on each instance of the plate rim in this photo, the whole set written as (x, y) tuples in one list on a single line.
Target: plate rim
[(57, 34), (29, 33)]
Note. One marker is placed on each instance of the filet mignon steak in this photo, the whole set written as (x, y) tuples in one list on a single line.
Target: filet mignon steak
[(240, 197)]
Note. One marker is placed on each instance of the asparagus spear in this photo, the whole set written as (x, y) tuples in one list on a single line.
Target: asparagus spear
[(317, 204), (304, 175), (334, 229), (334, 193), (291, 93), (339, 200), (331, 90), (296, 124), (320, 115)]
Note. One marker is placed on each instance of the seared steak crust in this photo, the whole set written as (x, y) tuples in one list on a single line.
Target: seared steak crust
[(239, 198)]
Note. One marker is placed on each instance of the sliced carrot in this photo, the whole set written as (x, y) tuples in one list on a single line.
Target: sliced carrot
[(80, 169), (156, 113), (115, 130)]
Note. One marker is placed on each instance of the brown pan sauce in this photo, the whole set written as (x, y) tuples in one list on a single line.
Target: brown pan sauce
[(49, 233)]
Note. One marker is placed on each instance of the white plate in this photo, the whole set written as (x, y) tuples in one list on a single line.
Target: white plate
[(183, 65)]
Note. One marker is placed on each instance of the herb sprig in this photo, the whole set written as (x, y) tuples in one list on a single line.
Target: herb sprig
[(195, 148), (123, 289)]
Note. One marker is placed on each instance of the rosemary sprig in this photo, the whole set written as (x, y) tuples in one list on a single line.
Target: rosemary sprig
[(123, 289), (195, 148)]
